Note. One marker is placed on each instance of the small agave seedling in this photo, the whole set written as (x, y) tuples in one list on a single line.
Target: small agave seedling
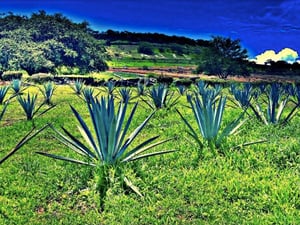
[(78, 87), (110, 87), (161, 97), (208, 113), (107, 141), (125, 94), (48, 92), (277, 101), (16, 85), (181, 89), (29, 106), (242, 96), (141, 89)]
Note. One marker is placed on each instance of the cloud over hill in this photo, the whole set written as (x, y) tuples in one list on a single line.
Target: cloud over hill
[(286, 54)]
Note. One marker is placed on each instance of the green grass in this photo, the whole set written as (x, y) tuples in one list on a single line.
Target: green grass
[(258, 184), (128, 62)]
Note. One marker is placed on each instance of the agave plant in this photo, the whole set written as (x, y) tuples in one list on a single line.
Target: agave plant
[(242, 96), (3, 92), (140, 89), (48, 92), (110, 87), (208, 113), (78, 87), (181, 89), (107, 145), (276, 103), (207, 92), (29, 106), (125, 94), (16, 85), (161, 97)]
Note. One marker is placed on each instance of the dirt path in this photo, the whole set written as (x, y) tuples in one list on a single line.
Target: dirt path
[(187, 72)]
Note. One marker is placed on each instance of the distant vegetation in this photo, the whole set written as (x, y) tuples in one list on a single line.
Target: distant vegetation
[(55, 44), (45, 43)]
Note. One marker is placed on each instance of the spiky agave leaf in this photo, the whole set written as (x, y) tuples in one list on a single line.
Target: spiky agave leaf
[(208, 114), (31, 134), (78, 86), (3, 92), (125, 94), (3, 110)]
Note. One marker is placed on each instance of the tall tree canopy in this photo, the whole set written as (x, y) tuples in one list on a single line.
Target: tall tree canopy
[(224, 57), (42, 43)]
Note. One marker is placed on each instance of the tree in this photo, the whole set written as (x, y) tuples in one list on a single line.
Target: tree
[(223, 57), (145, 48)]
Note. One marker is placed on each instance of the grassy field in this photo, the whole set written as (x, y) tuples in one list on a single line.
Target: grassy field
[(257, 184)]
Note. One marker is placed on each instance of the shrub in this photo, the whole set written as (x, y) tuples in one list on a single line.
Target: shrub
[(11, 75), (40, 78), (145, 48)]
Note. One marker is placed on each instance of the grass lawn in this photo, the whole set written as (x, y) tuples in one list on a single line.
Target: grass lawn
[(257, 184)]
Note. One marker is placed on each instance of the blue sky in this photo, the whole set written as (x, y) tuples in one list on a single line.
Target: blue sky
[(260, 25)]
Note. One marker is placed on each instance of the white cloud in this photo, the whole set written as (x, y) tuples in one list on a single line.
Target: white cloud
[(286, 54)]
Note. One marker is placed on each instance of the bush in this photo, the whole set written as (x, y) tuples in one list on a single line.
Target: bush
[(11, 75), (145, 48), (66, 70), (40, 78), (165, 80)]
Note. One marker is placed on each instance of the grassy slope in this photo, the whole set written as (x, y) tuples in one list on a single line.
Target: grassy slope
[(128, 56), (255, 185)]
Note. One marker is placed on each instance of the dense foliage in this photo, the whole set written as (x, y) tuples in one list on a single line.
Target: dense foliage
[(224, 57), (44, 43)]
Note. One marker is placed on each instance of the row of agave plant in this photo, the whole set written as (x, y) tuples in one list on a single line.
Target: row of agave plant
[(107, 146)]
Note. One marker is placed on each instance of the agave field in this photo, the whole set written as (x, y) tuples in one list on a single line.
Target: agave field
[(76, 154)]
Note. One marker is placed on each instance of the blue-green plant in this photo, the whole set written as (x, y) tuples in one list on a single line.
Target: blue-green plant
[(208, 113), (141, 89), (161, 97), (29, 106), (3, 92), (78, 87), (107, 141), (242, 96), (16, 85), (48, 92), (110, 87), (181, 89), (125, 94), (276, 102), (208, 93), (88, 94)]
